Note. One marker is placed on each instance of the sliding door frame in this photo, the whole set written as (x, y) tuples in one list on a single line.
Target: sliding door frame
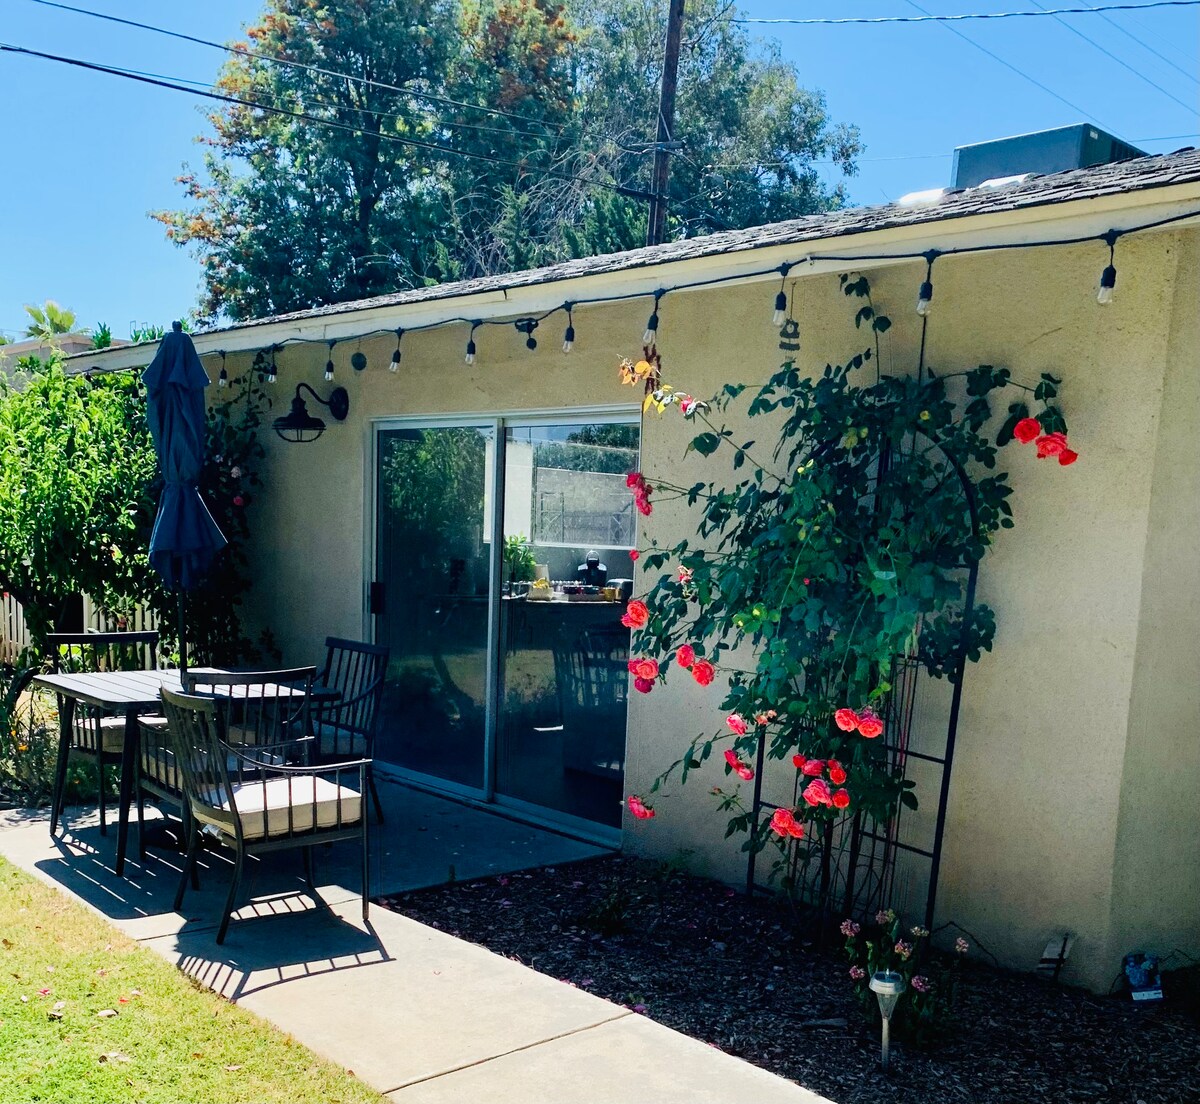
[(485, 796)]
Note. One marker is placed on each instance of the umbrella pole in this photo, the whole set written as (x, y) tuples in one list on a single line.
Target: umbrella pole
[(182, 636)]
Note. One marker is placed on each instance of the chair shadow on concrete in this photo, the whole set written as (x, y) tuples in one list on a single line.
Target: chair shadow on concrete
[(283, 931)]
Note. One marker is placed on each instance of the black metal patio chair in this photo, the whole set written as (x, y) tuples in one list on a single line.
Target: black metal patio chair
[(95, 734), (346, 703), (261, 804)]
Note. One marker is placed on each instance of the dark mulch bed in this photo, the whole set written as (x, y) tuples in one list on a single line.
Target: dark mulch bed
[(736, 973)]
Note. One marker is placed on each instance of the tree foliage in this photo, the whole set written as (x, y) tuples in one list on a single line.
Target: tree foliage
[(412, 183), (49, 320)]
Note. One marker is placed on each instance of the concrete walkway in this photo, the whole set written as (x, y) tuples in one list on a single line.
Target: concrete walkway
[(422, 1016)]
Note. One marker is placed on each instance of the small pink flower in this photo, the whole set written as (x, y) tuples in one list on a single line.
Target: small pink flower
[(857, 973), (685, 575), (884, 916), (761, 719), (238, 500), (850, 929), (235, 472), (639, 1008), (736, 723), (921, 984), (961, 946), (903, 949)]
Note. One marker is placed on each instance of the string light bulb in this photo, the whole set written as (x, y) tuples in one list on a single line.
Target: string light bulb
[(470, 357), (222, 376), (650, 337), (395, 365), (1108, 278), (925, 294), (272, 374), (329, 363), (569, 332), (781, 303)]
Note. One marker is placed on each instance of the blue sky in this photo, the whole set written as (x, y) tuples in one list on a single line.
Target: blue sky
[(86, 155)]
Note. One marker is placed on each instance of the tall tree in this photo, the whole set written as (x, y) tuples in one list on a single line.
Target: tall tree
[(498, 134)]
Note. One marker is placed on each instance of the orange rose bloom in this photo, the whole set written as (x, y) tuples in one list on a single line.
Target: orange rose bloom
[(703, 672), (846, 720)]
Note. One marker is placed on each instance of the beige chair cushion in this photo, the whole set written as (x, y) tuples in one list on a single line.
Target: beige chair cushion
[(112, 733), (314, 801)]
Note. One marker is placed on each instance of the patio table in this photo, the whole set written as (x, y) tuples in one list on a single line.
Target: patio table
[(132, 693)]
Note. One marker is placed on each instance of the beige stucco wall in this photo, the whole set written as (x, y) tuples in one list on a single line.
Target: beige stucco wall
[(1077, 764)]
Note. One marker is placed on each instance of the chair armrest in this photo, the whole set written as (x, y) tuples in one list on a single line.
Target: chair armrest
[(341, 703), (282, 768)]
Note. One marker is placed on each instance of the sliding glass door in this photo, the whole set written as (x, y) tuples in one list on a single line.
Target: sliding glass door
[(431, 598), (508, 676)]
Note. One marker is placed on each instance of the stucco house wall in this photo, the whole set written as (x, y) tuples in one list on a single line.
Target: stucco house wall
[(1072, 806)]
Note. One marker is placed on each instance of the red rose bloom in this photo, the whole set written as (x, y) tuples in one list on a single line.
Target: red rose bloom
[(784, 823), (636, 615), (643, 685), (634, 479), (1051, 444), (837, 774), (703, 672), (742, 770), (238, 500), (634, 553), (1067, 456), (869, 724), (798, 762), (638, 807), (846, 720), (1026, 430), (840, 799), (686, 655)]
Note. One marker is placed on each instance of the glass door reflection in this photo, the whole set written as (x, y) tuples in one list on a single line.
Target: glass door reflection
[(562, 654), (431, 598)]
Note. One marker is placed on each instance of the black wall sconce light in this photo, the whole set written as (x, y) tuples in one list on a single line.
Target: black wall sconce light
[(300, 426)]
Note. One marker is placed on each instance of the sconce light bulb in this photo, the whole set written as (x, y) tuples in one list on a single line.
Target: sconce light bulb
[(1108, 284), (777, 319)]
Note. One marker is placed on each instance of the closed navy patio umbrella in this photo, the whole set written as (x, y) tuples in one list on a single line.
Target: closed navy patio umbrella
[(185, 537)]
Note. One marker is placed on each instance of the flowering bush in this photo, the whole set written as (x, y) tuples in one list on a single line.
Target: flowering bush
[(927, 1004), (835, 553)]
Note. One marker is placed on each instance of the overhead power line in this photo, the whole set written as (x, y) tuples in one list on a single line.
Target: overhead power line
[(241, 51), (1119, 60), (416, 143), (931, 18)]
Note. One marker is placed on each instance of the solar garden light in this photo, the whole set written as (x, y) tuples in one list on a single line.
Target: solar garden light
[(887, 985)]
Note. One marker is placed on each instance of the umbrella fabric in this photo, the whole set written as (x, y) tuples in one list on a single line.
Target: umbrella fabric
[(185, 537)]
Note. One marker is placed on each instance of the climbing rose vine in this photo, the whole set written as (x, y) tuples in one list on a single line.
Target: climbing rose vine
[(833, 550)]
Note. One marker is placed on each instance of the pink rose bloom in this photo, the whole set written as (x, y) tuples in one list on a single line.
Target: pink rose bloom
[(643, 685), (846, 720), (850, 929), (858, 973), (736, 723), (741, 769), (636, 614), (644, 668), (869, 724), (813, 768), (686, 655), (639, 808), (921, 984), (817, 793)]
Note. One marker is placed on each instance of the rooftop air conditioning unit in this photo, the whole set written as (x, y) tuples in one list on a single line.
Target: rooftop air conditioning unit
[(1045, 151)]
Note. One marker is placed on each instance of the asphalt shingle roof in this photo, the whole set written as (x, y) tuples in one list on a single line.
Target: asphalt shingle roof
[(1134, 175)]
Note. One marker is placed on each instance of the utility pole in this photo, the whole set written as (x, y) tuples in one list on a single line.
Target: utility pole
[(656, 228)]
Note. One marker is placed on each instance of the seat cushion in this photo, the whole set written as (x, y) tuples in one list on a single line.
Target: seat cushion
[(111, 732), (263, 806)]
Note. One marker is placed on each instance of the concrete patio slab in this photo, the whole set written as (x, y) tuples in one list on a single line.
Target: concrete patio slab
[(417, 1013), (631, 1058)]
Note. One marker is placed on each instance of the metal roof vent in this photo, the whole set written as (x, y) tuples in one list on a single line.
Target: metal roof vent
[(1044, 151)]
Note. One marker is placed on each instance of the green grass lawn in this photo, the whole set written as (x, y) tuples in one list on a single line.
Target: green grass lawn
[(64, 971)]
